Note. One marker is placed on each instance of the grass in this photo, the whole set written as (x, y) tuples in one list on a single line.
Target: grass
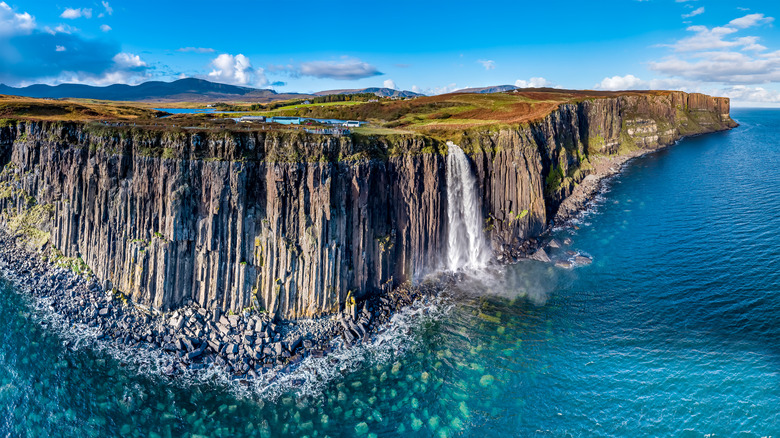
[(29, 224), (16, 107), (378, 130), (74, 264)]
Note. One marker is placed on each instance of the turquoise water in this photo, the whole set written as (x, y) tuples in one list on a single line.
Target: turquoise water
[(674, 330)]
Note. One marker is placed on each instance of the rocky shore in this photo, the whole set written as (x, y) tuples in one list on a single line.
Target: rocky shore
[(585, 191), (245, 345)]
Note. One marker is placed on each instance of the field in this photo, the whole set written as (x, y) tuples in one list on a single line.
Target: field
[(434, 116), (14, 107)]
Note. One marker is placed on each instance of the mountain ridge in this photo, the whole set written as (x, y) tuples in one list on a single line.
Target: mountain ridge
[(181, 90)]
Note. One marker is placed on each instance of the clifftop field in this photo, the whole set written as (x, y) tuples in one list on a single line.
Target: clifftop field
[(435, 116)]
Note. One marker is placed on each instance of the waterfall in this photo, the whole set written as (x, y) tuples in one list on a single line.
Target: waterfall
[(466, 246)]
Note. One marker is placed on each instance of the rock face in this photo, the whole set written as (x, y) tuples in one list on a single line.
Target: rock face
[(299, 224)]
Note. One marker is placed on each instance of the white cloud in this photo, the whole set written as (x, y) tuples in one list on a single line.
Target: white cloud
[(347, 69), (533, 83), (627, 82), (726, 67), (71, 13), (705, 39), (236, 70), (109, 9), (196, 49), (389, 84), (750, 20), (442, 90), (744, 94), (449, 88), (719, 54), (695, 12), (59, 48), (489, 64), (631, 82), (61, 28), (105, 27), (128, 61), (125, 68), (12, 23)]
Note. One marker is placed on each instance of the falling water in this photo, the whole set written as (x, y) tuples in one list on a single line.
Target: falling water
[(466, 243)]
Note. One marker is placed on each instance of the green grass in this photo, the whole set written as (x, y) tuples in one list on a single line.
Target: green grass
[(74, 264), (378, 130), (30, 225)]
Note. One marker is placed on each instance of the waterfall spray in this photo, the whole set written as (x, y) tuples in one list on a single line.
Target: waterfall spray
[(466, 246)]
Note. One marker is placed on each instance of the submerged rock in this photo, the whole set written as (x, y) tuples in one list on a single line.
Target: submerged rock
[(582, 260)]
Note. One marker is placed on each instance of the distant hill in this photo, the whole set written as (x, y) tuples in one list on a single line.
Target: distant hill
[(182, 90), (381, 92), (487, 90), (193, 90)]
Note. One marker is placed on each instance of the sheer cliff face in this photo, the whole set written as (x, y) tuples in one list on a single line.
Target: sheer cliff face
[(284, 221)]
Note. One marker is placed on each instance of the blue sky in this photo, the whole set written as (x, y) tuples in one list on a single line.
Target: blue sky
[(725, 48)]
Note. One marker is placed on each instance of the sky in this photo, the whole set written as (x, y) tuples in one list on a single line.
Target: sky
[(725, 48)]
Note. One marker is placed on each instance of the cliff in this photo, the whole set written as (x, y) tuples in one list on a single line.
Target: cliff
[(295, 223)]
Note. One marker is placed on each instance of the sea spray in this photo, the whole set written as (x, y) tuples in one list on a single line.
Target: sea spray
[(466, 246)]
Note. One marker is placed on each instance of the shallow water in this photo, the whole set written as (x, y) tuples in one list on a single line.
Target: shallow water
[(672, 331)]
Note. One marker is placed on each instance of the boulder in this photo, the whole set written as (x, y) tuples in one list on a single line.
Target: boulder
[(540, 255), (582, 260)]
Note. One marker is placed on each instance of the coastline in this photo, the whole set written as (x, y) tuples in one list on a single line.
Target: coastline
[(604, 167), (247, 346), (590, 186), (547, 249)]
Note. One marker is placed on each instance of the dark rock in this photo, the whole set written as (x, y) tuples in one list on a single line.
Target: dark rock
[(541, 255), (195, 353)]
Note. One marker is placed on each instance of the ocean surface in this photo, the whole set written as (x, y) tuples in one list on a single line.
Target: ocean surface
[(674, 330)]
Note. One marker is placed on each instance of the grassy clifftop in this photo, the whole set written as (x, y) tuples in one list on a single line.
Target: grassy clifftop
[(414, 126)]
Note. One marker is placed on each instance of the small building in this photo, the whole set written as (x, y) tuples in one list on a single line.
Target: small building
[(249, 119), (285, 120)]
